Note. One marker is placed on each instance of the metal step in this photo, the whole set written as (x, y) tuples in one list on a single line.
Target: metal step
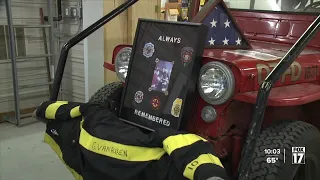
[(33, 56), (25, 58), (35, 85), (32, 26)]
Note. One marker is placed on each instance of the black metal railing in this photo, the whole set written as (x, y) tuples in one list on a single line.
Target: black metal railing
[(76, 39), (263, 94)]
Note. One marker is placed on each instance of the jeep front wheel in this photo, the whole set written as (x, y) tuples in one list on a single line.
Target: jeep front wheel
[(109, 94), (281, 137)]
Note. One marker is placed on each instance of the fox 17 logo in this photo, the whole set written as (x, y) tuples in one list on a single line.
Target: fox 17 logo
[(298, 155)]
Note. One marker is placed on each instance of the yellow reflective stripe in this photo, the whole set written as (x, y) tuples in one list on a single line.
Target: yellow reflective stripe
[(81, 122), (48, 139), (202, 2), (202, 159), (51, 110), (172, 143), (119, 151), (75, 112)]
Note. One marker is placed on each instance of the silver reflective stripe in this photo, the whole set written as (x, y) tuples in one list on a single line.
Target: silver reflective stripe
[(215, 178)]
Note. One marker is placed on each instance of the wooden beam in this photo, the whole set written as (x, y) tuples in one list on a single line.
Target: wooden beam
[(121, 29), (149, 9), (115, 33)]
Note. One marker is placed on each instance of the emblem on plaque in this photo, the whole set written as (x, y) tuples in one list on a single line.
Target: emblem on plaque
[(176, 107), (186, 55), (155, 102), (138, 97), (148, 50)]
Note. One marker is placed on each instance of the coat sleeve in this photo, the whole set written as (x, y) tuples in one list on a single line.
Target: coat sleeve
[(58, 110), (192, 154)]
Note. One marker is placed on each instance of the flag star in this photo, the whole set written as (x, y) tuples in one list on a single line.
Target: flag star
[(225, 41), (213, 23), (227, 24), (238, 41), (211, 41)]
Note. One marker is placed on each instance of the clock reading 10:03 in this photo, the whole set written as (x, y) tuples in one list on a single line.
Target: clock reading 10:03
[(272, 151)]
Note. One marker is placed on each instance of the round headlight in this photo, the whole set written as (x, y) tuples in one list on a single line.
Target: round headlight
[(216, 83), (122, 63)]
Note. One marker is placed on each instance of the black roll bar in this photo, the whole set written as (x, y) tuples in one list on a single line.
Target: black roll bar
[(79, 37), (263, 94)]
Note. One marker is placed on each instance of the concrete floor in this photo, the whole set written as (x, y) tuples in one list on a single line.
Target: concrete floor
[(24, 155)]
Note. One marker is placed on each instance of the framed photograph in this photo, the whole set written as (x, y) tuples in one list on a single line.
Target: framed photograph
[(162, 74)]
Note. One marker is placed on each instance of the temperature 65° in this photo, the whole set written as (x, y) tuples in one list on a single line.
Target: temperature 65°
[(272, 160)]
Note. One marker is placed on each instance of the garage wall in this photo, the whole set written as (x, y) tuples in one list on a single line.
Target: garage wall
[(31, 72), (73, 84)]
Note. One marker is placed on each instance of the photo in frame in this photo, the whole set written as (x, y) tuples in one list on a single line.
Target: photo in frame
[(161, 76)]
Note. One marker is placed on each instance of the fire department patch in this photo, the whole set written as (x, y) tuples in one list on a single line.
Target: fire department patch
[(148, 50), (155, 102), (176, 107), (186, 55), (138, 97)]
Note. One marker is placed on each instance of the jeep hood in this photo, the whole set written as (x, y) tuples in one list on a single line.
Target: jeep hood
[(254, 64)]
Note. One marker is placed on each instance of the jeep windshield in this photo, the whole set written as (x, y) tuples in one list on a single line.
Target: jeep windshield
[(263, 33), (283, 6)]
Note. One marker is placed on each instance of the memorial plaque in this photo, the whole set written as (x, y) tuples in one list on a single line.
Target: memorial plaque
[(162, 73)]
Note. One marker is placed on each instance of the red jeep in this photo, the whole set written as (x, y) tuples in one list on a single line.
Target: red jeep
[(261, 111)]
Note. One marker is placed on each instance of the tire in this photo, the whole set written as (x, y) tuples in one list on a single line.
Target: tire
[(284, 135), (109, 95)]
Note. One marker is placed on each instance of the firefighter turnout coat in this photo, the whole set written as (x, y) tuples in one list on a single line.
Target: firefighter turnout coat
[(94, 145)]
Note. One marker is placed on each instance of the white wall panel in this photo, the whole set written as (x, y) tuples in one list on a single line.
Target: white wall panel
[(73, 88), (93, 48)]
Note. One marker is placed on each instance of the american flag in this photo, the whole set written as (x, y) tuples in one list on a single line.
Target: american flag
[(222, 29)]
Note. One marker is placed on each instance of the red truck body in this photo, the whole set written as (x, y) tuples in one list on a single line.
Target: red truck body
[(294, 97)]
